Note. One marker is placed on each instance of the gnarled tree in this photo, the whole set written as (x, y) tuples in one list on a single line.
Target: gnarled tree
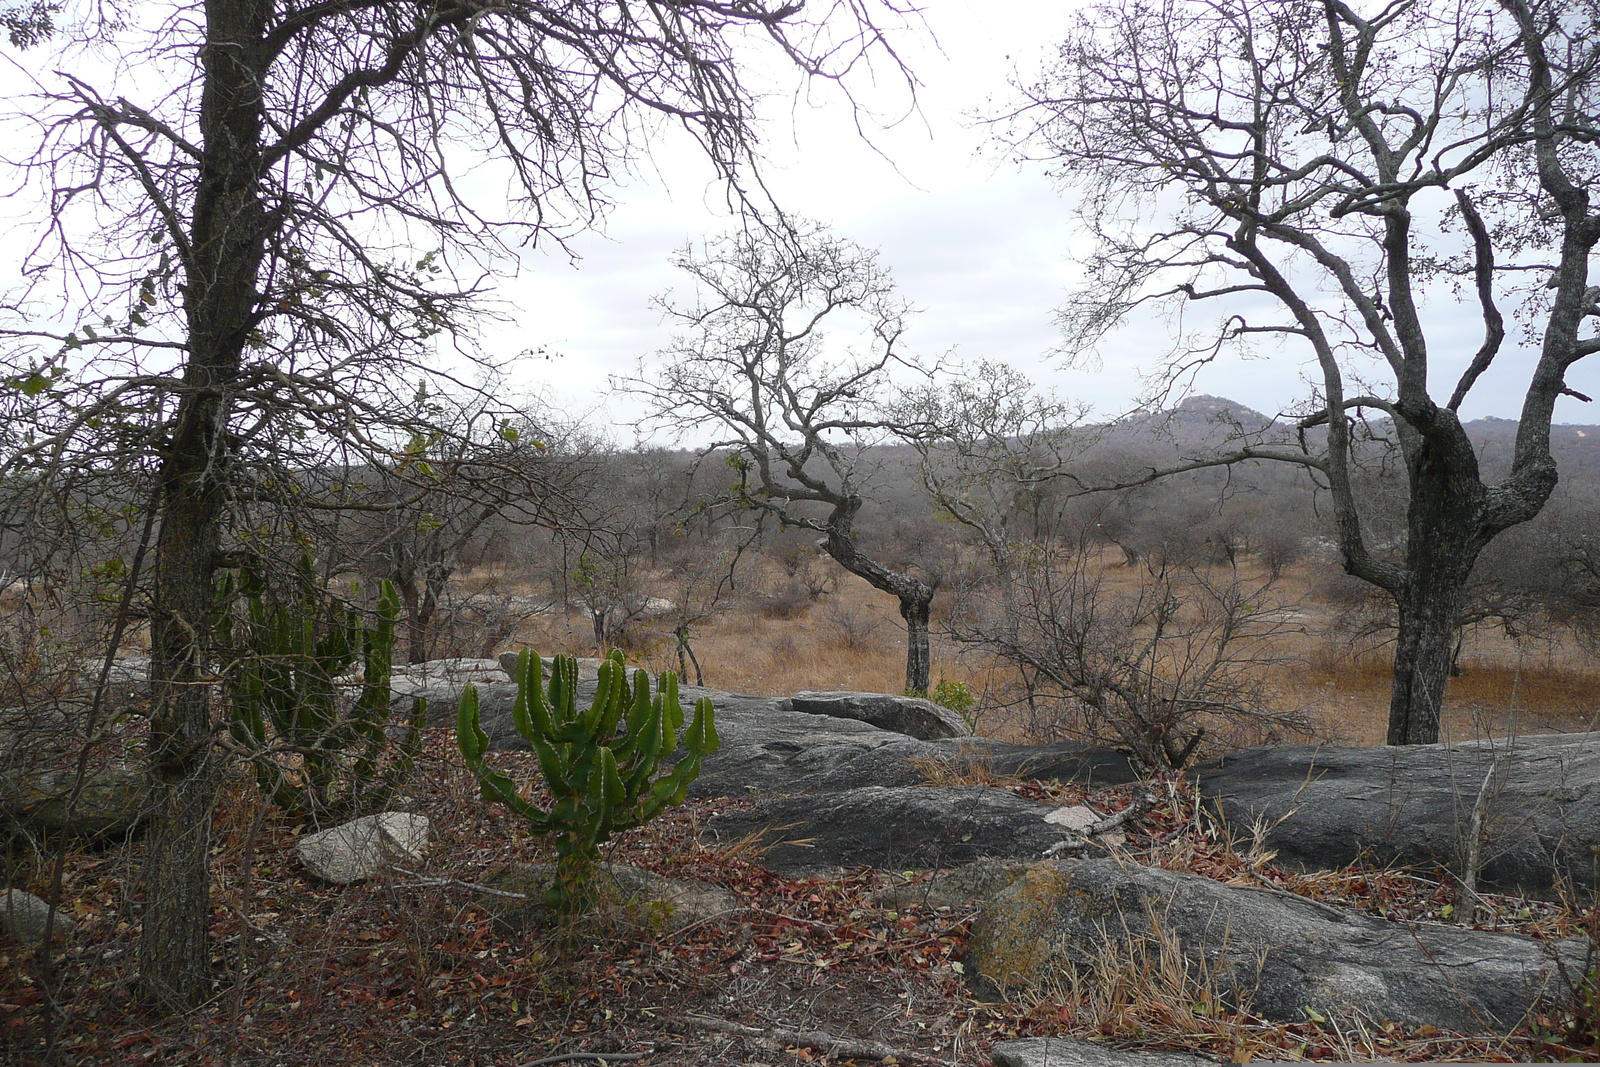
[(259, 210), (1318, 172), (793, 415)]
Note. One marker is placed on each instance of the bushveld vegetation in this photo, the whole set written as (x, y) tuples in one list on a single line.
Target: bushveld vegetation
[(1177, 620), (766, 611), (237, 493)]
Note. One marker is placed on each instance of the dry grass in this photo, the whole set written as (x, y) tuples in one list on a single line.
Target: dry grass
[(854, 638)]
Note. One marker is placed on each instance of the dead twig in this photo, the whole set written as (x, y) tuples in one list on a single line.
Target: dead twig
[(423, 881), (779, 1040), (1470, 901), (1136, 809), (601, 1057)]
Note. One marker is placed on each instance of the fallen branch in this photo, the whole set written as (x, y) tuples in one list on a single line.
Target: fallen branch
[(1136, 809), (423, 881), (571, 1057), (781, 1040)]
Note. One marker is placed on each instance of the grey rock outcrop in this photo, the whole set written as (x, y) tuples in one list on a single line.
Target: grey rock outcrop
[(907, 827), (1323, 806), (588, 667), (922, 719), (25, 917), (363, 848), (127, 682), (768, 747), (1278, 953), (628, 894), (1070, 1052), (440, 682), (111, 802)]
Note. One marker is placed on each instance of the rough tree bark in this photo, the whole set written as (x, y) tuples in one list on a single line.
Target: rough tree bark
[(227, 242)]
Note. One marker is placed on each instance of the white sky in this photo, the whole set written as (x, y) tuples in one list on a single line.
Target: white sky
[(982, 246)]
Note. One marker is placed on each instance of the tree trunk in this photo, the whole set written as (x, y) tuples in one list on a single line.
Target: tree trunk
[(1445, 533), (405, 583), (919, 665), (174, 960), (914, 595), (1430, 618), (226, 245)]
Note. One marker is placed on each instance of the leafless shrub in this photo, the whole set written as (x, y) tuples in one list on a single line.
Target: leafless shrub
[(1155, 665), (789, 600), (853, 628)]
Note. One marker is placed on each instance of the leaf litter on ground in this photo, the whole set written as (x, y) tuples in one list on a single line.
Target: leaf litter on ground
[(397, 973)]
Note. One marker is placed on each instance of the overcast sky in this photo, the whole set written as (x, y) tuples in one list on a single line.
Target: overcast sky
[(979, 245), (982, 246)]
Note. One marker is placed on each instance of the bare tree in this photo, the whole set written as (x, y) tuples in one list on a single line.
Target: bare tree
[(231, 231), (990, 447), (413, 520), (1317, 172), (698, 579), (793, 414)]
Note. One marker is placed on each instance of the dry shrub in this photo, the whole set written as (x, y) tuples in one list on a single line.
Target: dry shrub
[(971, 765), (789, 600), (1561, 692), (1145, 983), (854, 628)]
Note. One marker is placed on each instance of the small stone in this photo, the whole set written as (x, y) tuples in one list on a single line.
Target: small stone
[(363, 848), (1075, 817), (1079, 819), (25, 915)]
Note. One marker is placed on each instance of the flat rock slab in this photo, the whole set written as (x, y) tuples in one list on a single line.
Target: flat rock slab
[(893, 829), (1276, 953), (629, 895), (110, 803), (922, 719), (1324, 806), (768, 747), (1071, 1052)]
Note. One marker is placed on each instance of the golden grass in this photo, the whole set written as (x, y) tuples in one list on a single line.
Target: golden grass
[(742, 649)]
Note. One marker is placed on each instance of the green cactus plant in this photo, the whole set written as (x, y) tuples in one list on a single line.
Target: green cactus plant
[(317, 755), (599, 764)]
